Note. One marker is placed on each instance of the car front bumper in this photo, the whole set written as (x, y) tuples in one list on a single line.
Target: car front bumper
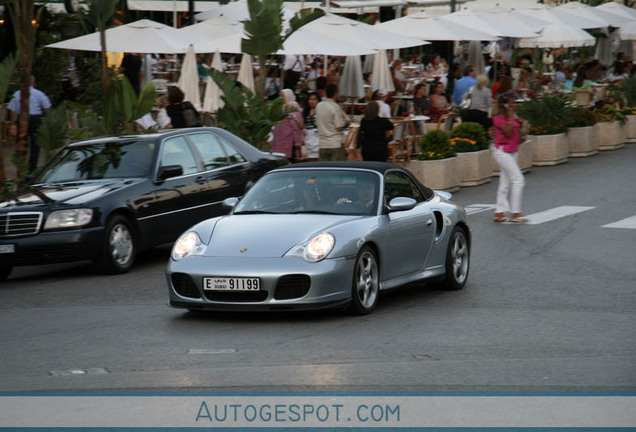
[(304, 285), (53, 247)]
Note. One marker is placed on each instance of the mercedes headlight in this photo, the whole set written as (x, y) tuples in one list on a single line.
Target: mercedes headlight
[(315, 249), (188, 244), (68, 218)]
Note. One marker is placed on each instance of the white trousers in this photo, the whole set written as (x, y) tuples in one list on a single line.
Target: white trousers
[(511, 182)]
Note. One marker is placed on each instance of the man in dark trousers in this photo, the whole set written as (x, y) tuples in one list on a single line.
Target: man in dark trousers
[(39, 104), (131, 68)]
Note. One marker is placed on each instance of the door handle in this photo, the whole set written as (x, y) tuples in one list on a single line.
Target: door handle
[(200, 180), (429, 222)]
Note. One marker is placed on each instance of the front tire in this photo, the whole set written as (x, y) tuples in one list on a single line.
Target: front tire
[(118, 251), (457, 260), (5, 271), (366, 282)]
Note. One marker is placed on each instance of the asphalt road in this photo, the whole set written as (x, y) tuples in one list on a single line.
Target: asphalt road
[(548, 307)]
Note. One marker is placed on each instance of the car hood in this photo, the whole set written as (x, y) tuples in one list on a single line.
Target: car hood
[(71, 193), (267, 235)]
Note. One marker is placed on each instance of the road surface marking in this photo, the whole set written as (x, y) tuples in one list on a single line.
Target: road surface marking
[(211, 351), (478, 208), (630, 223), (555, 213)]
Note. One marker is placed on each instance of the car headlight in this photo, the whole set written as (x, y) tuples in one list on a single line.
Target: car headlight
[(188, 244), (315, 249), (68, 218)]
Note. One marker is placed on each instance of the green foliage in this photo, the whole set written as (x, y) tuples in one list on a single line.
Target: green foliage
[(245, 114), (577, 116), (49, 67), (302, 17), (472, 132), (52, 131), (609, 113), (7, 67), (122, 107), (546, 113), (263, 28), (625, 92), (435, 145)]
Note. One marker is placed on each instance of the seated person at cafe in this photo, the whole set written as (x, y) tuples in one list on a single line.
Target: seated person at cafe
[(421, 102), (439, 102)]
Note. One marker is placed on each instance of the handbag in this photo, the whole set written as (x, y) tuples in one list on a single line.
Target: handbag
[(467, 100), (190, 116)]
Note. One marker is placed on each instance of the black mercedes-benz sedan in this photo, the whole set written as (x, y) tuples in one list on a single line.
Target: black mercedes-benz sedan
[(105, 199)]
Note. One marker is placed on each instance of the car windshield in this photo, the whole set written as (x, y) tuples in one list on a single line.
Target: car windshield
[(100, 161), (340, 192)]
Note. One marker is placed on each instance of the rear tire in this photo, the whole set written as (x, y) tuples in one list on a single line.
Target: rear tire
[(457, 260), (118, 250), (5, 271), (366, 282)]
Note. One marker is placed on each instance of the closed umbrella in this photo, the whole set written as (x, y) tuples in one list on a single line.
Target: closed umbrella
[(189, 79), (212, 101), (559, 35), (381, 78), (476, 57), (422, 26), (143, 36), (246, 72), (352, 82)]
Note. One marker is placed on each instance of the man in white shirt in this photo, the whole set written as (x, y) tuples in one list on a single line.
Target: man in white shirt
[(385, 109), (331, 122)]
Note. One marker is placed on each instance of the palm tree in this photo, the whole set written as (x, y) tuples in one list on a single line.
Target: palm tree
[(6, 71), (99, 13)]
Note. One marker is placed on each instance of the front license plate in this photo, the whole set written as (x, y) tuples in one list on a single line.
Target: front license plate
[(231, 284), (7, 248)]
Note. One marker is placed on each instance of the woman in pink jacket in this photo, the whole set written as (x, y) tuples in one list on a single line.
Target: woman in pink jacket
[(287, 136)]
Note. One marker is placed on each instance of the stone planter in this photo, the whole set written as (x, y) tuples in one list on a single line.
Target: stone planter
[(524, 158), (549, 150), (583, 141), (442, 174), (474, 168), (630, 129), (611, 136)]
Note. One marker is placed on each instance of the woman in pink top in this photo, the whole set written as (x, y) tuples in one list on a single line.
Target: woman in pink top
[(507, 135), (287, 137)]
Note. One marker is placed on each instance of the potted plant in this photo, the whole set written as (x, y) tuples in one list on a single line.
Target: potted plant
[(546, 115), (436, 166), (610, 123), (468, 140), (583, 133), (625, 92)]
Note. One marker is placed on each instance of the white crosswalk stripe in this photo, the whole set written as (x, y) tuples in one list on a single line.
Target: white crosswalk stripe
[(478, 208), (629, 223), (555, 213)]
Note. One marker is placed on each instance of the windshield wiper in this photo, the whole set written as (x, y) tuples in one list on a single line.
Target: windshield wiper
[(255, 212), (313, 212)]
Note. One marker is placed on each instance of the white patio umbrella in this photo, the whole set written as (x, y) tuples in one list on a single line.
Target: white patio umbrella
[(246, 72), (559, 35), (381, 78), (618, 9), (309, 41), (592, 13), (359, 33), (627, 32), (487, 23), (560, 16), (143, 36), (189, 79), (235, 11), (352, 82), (513, 17), (422, 26), (212, 101), (215, 28)]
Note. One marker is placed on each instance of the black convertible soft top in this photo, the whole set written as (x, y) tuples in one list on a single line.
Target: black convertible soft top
[(380, 167)]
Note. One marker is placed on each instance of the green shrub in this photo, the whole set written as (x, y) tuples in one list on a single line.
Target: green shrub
[(546, 113), (579, 117), (468, 137), (609, 113), (435, 145)]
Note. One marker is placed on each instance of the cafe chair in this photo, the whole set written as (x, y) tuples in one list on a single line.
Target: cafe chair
[(399, 146)]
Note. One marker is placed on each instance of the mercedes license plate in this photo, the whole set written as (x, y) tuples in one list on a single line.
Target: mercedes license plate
[(231, 284), (7, 248)]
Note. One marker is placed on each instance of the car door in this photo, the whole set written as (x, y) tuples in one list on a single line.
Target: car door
[(410, 232), (225, 171), (176, 198)]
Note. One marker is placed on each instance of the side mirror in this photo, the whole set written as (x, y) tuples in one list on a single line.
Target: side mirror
[(168, 171), (229, 203), (401, 204)]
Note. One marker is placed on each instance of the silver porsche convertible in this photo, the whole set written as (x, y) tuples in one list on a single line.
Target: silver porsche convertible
[(321, 235)]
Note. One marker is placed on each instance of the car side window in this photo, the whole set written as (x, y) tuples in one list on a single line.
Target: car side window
[(211, 150), (177, 152), (233, 155), (398, 184)]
